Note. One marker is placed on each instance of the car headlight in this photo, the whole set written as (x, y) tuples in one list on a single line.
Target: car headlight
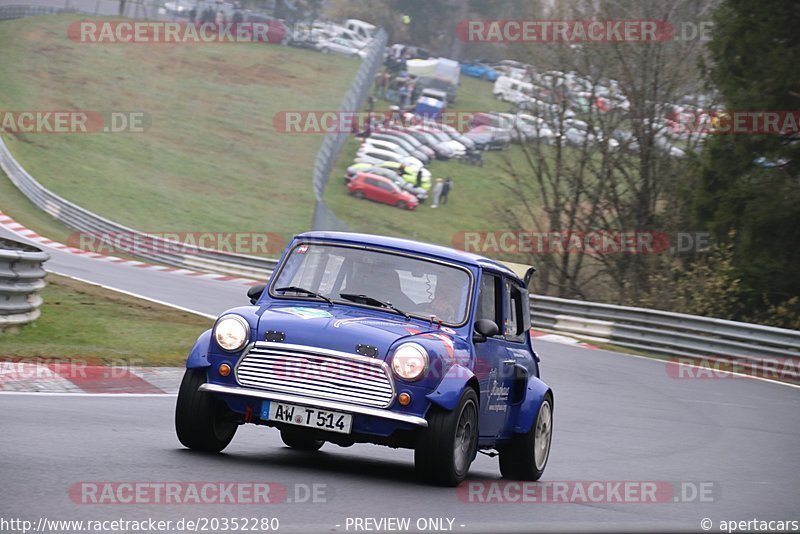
[(231, 332), (410, 360)]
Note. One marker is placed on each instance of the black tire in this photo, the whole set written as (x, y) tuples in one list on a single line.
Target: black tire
[(202, 422), (518, 458), (401, 204), (359, 193), (297, 440), (435, 458)]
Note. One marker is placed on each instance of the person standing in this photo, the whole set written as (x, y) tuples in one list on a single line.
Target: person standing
[(380, 84), (437, 192), (391, 90), (419, 178), (446, 187), (404, 94)]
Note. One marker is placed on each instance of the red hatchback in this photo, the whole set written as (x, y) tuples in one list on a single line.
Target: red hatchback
[(380, 189)]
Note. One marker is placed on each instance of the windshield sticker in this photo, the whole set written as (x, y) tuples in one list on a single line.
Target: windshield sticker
[(306, 313), (302, 249), (371, 321)]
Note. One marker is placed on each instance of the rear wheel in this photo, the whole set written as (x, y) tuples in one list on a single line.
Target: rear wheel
[(445, 450), (359, 193), (526, 456), (296, 440), (202, 422)]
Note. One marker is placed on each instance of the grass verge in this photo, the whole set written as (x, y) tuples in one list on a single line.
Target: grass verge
[(210, 158), (86, 322)]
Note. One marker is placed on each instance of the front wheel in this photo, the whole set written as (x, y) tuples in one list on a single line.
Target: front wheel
[(202, 422), (445, 450), (526, 456)]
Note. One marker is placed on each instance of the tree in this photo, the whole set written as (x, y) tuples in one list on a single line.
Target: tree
[(749, 185), (620, 177)]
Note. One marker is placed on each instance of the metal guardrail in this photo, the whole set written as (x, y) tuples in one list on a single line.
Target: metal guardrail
[(21, 279), (666, 333), (159, 249)]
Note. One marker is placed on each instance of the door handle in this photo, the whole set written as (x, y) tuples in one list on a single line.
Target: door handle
[(509, 362)]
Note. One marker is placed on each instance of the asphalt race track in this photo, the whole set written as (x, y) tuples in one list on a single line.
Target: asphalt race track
[(617, 418)]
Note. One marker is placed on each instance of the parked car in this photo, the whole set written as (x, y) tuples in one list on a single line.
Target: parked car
[(453, 147), (456, 135), (371, 154), (409, 175), (443, 150), (406, 182), (364, 30), (385, 145), (340, 46), (529, 129), (488, 138), (410, 139), (381, 189), (384, 135), (367, 339), (479, 70)]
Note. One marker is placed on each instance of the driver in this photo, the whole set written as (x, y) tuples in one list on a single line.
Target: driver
[(447, 300)]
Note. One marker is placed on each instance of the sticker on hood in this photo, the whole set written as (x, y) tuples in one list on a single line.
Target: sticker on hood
[(306, 313)]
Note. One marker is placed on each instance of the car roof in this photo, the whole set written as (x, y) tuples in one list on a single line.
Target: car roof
[(408, 245)]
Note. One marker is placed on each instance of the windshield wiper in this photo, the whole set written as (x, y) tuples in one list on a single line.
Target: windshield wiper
[(374, 302), (306, 291)]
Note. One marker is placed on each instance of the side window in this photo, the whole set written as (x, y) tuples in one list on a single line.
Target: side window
[(515, 314), (489, 299), (370, 181)]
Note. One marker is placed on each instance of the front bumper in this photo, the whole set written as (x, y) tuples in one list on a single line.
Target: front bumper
[(316, 403)]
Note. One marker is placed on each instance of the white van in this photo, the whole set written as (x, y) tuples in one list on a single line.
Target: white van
[(509, 89), (364, 30)]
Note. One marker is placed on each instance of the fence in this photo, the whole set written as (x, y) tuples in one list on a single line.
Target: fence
[(21, 279), (324, 218)]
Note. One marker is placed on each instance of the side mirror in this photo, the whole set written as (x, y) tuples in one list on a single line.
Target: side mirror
[(484, 328), (254, 293)]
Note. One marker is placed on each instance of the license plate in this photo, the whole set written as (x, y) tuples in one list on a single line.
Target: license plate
[(308, 417)]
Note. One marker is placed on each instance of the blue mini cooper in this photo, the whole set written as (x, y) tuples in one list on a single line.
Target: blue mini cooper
[(360, 338)]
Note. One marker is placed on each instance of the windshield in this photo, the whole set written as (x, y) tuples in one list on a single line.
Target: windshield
[(416, 286)]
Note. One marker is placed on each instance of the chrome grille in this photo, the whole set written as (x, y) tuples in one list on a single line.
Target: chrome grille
[(316, 372)]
